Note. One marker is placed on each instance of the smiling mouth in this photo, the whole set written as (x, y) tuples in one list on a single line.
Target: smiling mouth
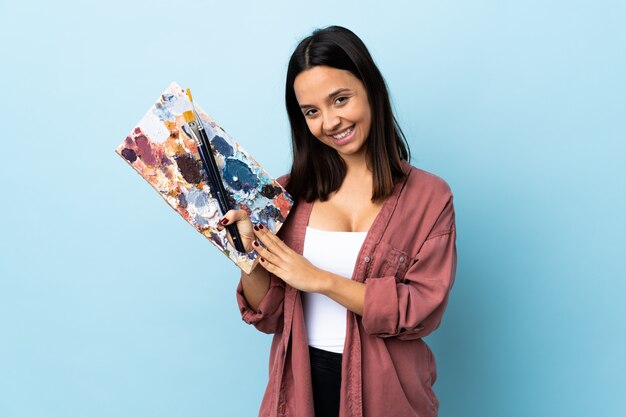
[(343, 134)]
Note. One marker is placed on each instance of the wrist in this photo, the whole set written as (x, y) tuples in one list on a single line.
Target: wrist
[(326, 282)]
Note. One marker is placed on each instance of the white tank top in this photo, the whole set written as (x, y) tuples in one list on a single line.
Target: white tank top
[(335, 252)]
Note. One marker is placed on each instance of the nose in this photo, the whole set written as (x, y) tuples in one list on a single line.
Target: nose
[(331, 121)]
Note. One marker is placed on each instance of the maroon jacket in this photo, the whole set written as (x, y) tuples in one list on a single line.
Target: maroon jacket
[(408, 263)]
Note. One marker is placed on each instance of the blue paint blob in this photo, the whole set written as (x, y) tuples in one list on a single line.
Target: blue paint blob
[(182, 201), (270, 213), (164, 110), (168, 97), (222, 146), (197, 198), (239, 176), (187, 131)]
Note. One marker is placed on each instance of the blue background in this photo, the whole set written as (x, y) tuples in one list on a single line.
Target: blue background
[(520, 106)]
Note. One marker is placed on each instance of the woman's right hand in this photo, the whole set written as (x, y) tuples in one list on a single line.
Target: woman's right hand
[(244, 225)]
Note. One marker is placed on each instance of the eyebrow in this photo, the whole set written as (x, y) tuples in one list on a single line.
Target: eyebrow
[(331, 95)]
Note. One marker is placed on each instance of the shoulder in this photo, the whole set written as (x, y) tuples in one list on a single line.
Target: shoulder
[(427, 184), (430, 197)]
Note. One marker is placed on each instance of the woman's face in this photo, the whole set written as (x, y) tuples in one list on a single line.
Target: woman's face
[(336, 109)]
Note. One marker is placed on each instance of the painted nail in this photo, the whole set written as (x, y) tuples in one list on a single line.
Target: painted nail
[(224, 221), (256, 227), (262, 260), (260, 226), (255, 244)]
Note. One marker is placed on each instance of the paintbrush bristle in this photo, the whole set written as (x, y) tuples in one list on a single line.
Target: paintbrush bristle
[(189, 95), (189, 116)]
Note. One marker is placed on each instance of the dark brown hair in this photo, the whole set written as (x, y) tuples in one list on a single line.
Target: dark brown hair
[(317, 169)]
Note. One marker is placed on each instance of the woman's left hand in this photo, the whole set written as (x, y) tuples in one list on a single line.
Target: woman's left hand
[(285, 263)]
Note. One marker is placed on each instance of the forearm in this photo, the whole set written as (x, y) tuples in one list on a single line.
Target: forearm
[(348, 293), (255, 285)]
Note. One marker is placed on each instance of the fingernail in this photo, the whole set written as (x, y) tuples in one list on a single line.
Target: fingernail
[(260, 226), (256, 228), (262, 260), (255, 244), (224, 220)]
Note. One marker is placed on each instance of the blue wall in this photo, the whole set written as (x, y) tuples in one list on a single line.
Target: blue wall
[(520, 106)]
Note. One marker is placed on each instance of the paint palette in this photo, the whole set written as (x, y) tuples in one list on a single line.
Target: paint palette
[(160, 149)]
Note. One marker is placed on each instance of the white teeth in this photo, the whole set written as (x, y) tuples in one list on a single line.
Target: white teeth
[(343, 135)]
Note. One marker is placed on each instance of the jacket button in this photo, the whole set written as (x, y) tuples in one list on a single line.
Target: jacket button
[(402, 259), (367, 259)]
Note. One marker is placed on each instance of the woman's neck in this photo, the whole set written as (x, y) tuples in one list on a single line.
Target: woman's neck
[(357, 167)]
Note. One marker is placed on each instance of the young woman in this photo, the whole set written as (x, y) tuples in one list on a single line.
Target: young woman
[(361, 270)]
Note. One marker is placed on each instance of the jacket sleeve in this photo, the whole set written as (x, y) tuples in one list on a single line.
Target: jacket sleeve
[(414, 308), (269, 317)]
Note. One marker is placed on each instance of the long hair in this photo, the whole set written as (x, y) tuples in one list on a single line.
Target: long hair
[(317, 169)]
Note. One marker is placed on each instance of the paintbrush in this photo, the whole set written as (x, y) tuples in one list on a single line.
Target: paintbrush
[(214, 179)]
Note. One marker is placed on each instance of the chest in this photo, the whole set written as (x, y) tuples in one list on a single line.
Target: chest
[(345, 212)]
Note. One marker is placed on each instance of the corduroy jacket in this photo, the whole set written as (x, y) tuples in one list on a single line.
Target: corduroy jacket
[(408, 264)]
